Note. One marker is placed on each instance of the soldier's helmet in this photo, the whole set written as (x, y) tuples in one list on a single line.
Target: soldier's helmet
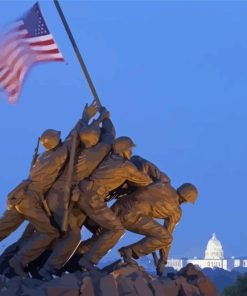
[(122, 144), (89, 136), (188, 192), (50, 139)]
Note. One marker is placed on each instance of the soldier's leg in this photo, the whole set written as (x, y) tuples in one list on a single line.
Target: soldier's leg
[(157, 237), (97, 210), (63, 250), (45, 233), (11, 250), (65, 247), (8, 253), (84, 246), (9, 222)]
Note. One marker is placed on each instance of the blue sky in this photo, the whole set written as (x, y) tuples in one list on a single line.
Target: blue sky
[(173, 74)]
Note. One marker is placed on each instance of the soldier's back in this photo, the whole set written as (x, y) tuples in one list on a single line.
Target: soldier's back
[(157, 200), (47, 167)]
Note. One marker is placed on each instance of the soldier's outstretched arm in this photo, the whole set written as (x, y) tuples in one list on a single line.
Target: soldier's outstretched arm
[(170, 224), (151, 169), (173, 219), (134, 176)]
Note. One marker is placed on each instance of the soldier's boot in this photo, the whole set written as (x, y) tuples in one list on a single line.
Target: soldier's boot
[(47, 274), (127, 255), (86, 265), (18, 267)]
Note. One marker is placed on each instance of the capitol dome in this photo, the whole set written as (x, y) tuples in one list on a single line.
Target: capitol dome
[(214, 249)]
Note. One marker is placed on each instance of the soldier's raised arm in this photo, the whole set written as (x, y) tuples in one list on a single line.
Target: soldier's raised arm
[(89, 159), (87, 114), (108, 132)]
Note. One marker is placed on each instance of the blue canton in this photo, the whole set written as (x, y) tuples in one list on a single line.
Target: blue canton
[(35, 23)]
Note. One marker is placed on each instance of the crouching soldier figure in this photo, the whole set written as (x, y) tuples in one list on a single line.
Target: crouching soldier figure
[(138, 212)]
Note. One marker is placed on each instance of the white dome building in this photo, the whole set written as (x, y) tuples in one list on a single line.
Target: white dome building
[(214, 249), (214, 258), (214, 255)]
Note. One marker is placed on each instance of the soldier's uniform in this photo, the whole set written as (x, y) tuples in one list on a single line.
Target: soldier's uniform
[(113, 172), (27, 201), (29, 206), (138, 211), (151, 169), (87, 159)]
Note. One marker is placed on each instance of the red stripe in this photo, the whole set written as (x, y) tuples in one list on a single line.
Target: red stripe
[(16, 78), (22, 65), (50, 51), (44, 58), (59, 59), (46, 42), (5, 76), (17, 43), (14, 92), (22, 54)]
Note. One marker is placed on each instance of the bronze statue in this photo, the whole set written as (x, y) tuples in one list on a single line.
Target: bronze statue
[(26, 201), (70, 183)]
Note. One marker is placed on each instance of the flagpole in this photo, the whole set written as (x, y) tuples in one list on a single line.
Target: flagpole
[(77, 52)]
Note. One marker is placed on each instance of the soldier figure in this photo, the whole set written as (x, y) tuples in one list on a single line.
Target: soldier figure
[(139, 211), (115, 170), (27, 200), (96, 143)]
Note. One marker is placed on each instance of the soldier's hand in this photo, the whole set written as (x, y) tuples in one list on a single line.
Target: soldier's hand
[(90, 111), (104, 113), (160, 267), (18, 193), (10, 205), (76, 194)]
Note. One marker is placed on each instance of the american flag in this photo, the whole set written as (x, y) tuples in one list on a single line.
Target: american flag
[(24, 43)]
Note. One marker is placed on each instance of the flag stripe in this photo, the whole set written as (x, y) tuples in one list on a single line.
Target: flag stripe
[(44, 47), (42, 43), (24, 43), (40, 38), (11, 78)]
